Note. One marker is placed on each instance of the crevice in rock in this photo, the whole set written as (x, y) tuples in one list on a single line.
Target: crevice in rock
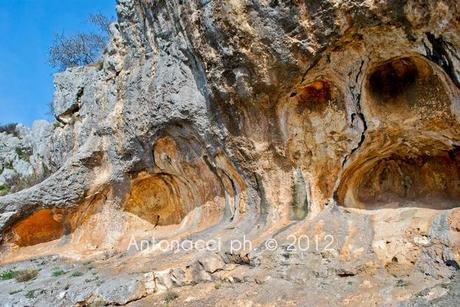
[(361, 140), (66, 117), (360, 71), (315, 60), (358, 113), (440, 55)]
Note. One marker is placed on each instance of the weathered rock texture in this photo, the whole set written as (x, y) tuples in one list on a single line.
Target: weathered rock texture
[(334, 121)]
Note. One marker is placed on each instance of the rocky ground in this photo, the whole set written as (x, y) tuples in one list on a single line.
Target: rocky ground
[(313, 271), (292, 281)]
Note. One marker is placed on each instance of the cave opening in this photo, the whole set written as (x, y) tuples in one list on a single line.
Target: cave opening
[(392, 79), (160, 199), (45, 225), (41, 226), (428, 181), (408, 87)]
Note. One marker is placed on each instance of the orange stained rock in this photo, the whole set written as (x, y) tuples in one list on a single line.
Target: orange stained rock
[(157, 199), (42, 226), (317, 92)]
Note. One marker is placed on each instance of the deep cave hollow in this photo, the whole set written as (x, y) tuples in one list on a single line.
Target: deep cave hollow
[(393, 78), (428, 181), (404, 85)]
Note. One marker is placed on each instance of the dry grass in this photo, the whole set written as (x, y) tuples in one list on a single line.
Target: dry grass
[(170, 296), (26, 275)]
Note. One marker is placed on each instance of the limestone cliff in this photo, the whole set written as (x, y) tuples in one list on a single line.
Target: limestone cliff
[(335, 122)]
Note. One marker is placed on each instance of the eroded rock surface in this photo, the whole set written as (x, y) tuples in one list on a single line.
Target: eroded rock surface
[(324, 133)]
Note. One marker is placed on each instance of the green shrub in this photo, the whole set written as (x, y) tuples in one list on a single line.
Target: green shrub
[(31, 294), (76, 274), (58, 272), (401, 283), (24, 153), (6, 275), (4, 190)]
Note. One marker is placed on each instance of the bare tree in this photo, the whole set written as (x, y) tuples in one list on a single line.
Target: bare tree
[(80, 48), (102, 22)]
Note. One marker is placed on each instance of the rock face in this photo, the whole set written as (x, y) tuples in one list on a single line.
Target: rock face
[(332, 123), (25, 155)]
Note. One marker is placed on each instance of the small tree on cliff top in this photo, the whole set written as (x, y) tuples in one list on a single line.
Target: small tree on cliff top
[(80, 48)]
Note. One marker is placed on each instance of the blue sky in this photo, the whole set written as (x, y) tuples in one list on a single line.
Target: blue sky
[(27, 28)]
